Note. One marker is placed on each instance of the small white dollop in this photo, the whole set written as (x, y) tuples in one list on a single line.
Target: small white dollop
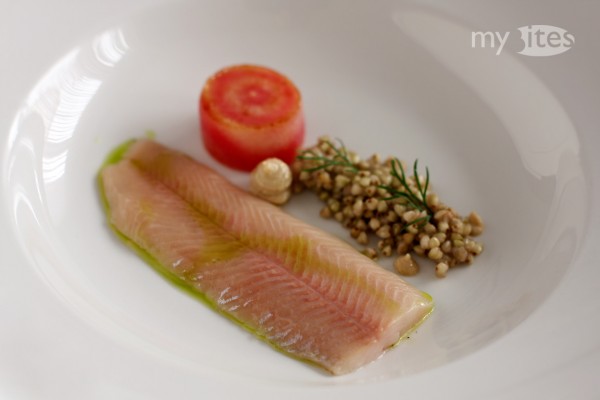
[(271, 180)]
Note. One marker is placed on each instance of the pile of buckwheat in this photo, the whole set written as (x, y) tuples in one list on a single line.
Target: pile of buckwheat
[(377, 201)]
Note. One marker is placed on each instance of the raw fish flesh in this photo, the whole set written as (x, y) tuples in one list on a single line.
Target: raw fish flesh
[(302, 290)]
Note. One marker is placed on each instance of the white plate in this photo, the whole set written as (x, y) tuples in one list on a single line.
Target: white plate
[(511, 136)]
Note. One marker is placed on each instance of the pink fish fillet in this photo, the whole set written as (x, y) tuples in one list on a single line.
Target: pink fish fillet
[(302, 290)]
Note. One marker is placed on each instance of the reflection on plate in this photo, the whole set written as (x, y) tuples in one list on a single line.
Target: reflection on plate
[(383, 82)]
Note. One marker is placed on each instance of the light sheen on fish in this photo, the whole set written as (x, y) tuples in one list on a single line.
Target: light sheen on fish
[(302, 290)]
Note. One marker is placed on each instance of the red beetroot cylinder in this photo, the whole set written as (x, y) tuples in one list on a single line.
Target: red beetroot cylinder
[(249, 113)]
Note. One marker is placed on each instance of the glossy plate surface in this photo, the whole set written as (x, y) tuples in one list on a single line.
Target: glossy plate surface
[(510, 136)]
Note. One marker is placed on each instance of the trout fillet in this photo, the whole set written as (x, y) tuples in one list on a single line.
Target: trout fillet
[(300, 289)]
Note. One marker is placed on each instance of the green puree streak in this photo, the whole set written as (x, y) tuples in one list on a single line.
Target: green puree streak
[(297, 248)]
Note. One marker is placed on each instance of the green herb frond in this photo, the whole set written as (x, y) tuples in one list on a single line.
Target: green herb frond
[(417, 201), (339, 158)]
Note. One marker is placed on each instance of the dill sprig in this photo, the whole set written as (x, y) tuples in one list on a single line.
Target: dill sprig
[(339, 158), (417, 201)]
